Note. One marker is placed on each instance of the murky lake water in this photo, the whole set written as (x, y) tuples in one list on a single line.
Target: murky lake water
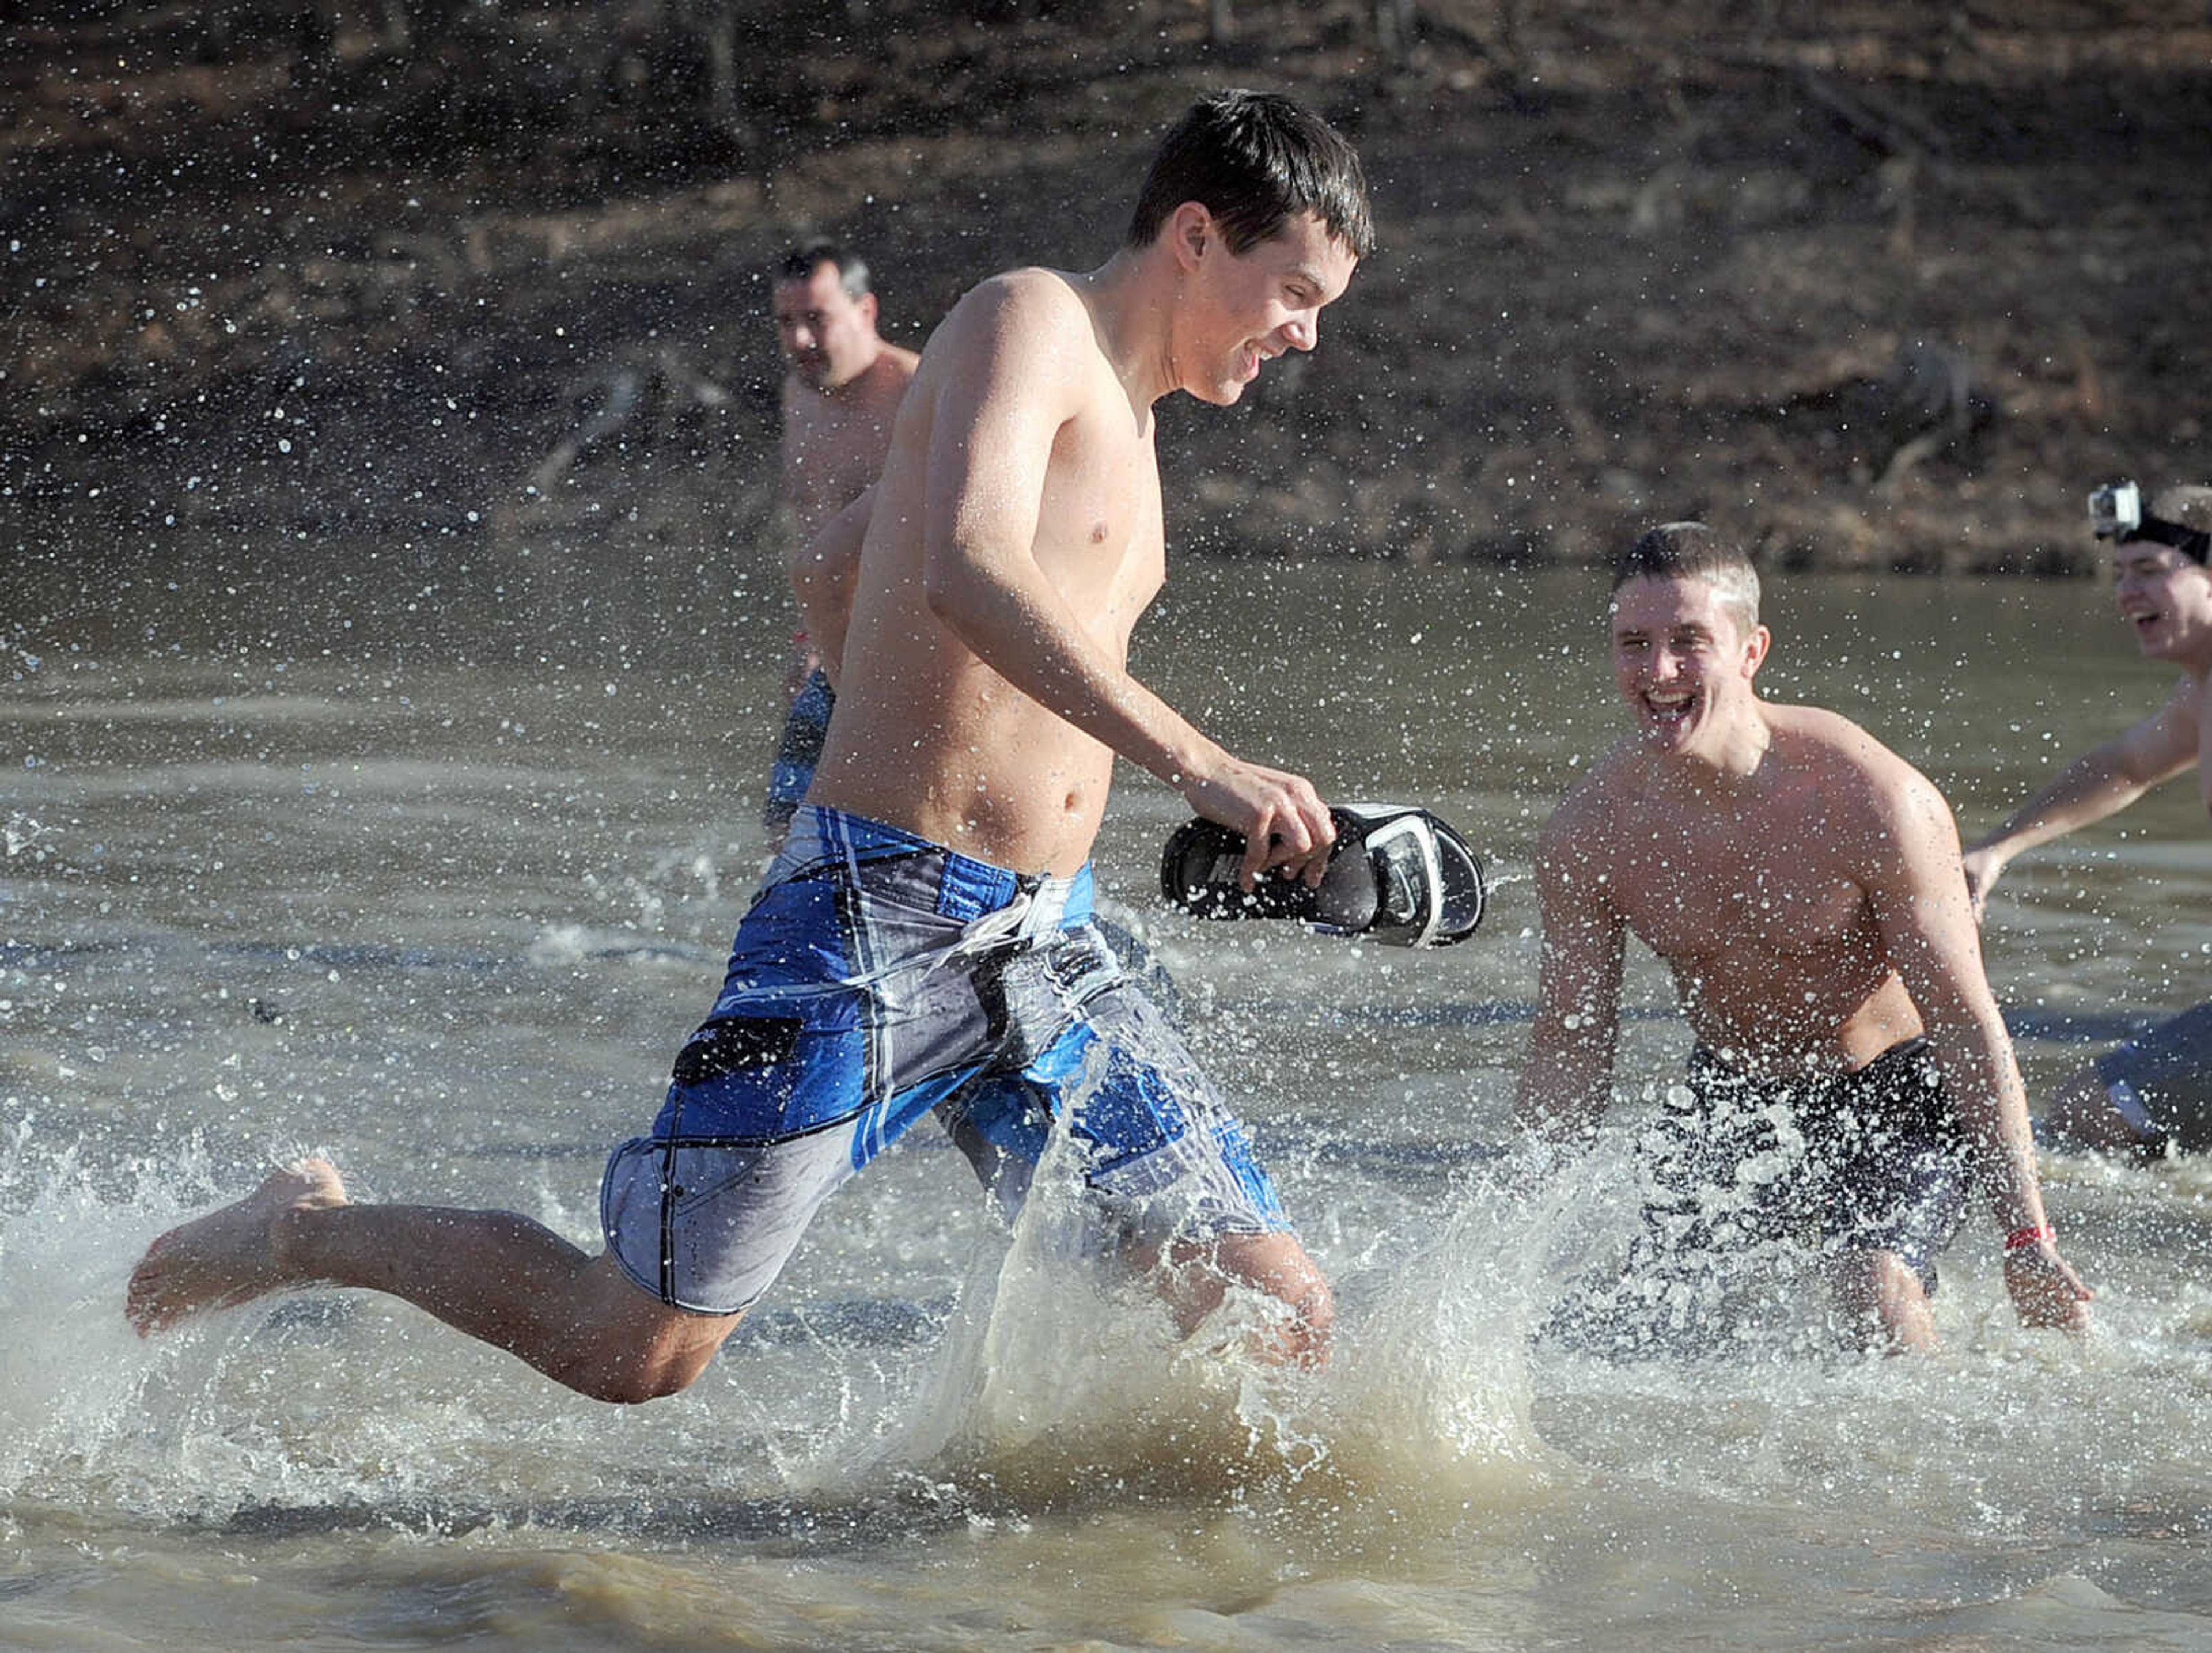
[(429, 862)]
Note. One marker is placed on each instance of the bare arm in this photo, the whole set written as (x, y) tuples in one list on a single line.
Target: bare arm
[(1928, 928), (1021, 376), (822, 572), (794, 516), (1567, 1079), (2100, 782)]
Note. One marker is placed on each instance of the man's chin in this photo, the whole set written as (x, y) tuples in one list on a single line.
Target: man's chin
[(2157, 642), (1666, 734)]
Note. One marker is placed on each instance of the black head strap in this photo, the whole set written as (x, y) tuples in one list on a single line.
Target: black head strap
[(2195, 543)]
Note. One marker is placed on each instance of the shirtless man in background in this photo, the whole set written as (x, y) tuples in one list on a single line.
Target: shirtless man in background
[(921, 944), (1802, 884), (839, 399)]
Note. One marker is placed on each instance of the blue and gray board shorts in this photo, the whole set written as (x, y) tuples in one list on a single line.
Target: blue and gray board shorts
[(879, 978)]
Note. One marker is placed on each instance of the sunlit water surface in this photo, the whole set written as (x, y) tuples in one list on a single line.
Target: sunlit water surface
[(427, 863)]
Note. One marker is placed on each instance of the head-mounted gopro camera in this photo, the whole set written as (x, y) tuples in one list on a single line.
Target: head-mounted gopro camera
[(2116, 514), (2116, 510)]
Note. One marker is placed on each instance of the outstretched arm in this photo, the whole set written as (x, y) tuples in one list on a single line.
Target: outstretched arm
[(1567, 1078), (1928, 928), (822, 572), (1022, 372), (2100, 782)]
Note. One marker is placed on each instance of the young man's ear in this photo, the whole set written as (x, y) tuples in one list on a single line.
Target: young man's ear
[(1190, 231), (868, 305), (1755, 648)]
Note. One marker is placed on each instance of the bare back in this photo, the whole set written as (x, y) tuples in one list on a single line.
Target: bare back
[(1019, 448), (1757, 894)]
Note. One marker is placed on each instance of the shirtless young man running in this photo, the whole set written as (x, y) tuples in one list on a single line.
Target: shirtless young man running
[(1801, 883), (921, 944), (2154, 1092), (839, 399)]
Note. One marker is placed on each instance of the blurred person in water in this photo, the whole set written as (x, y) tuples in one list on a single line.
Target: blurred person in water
[(1851, 1079), (840, 393), (922, 943), (2153, 1094)]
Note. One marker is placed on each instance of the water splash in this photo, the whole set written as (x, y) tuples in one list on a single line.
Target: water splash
[(1064, 1379), (72, 1375)]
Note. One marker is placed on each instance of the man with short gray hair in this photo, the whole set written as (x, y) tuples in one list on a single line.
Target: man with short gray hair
[(839, 397)]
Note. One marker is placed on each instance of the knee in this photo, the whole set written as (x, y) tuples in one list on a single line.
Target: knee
[(1312, 1328), (630, 1372), (627, 1381), (633, 1386), (1883, 1296), (1305, 1321)]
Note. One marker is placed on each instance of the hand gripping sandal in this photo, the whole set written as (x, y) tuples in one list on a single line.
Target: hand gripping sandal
[(1396, 874)]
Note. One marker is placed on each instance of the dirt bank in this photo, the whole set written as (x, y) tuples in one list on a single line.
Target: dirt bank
[(1890, 288)]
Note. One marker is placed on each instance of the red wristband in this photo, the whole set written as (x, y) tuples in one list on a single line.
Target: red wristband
[(2020, 1238)]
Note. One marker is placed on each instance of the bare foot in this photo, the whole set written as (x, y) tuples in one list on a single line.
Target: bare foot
[(230, 1256)]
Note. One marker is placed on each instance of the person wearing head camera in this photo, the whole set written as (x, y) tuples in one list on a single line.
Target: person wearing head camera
[(2154, 1094)]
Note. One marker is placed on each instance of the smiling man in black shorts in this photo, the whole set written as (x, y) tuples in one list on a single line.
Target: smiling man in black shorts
[(1801, 883)]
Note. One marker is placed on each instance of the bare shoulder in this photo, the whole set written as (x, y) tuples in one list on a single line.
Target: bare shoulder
[(1830, 742), (1034, 307), (1025, 335), (1584, 821), (1854, 772)]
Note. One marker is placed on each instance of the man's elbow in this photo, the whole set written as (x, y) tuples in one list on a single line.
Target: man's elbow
[(947, 590)]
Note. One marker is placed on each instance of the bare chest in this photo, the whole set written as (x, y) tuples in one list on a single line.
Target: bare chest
[(834, 451), (1099, 529), (1746, 902)]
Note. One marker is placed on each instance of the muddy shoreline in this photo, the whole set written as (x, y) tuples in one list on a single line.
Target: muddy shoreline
[(1886, 291)]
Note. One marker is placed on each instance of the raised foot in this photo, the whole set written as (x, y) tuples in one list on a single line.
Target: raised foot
[(230, 1255)]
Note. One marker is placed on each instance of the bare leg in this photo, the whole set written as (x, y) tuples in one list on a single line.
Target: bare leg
[(1195, 1276), (496, 1276), (2082, 1115), (1885, 1299)]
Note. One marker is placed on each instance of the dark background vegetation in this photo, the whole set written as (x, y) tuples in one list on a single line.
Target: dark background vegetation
[(1886, 283)]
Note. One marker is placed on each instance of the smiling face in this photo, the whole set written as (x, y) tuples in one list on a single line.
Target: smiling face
[(2167, 600), (1240, 310), (1684, 661)]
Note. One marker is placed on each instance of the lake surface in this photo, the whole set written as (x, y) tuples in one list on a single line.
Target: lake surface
[(427, 860)]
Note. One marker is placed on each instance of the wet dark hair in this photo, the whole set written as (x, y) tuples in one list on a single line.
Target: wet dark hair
[(1690, 550), (802, 260), (1254, 160)]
